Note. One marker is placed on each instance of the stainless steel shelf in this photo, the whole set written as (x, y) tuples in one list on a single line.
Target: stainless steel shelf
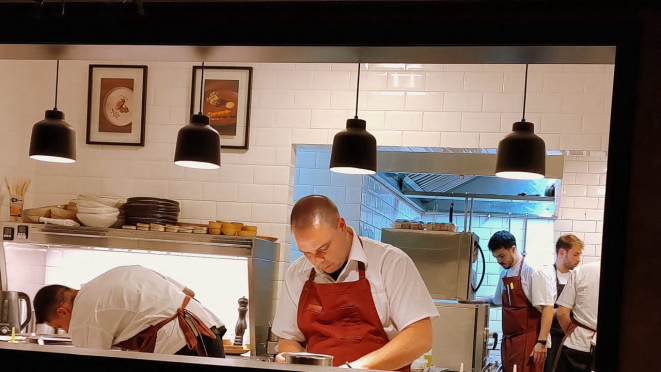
[(456, 196), (260, 255)]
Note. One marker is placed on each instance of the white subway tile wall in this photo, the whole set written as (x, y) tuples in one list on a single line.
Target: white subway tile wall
[(19, 80), (581, 209)]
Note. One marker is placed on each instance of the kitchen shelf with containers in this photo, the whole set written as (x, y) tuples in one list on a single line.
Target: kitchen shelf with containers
[(249, 263), (137, 213)]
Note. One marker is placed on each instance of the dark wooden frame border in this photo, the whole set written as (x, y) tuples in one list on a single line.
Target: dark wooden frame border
[(628, 314), (143, 118), (193, 104)]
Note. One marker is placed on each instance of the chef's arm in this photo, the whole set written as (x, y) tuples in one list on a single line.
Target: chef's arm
[(285, 346), (547, 319), (540, 350), (409, 344), (485, 300), (564, 317)]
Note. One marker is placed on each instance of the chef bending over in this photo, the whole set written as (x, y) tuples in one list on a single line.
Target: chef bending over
[(357, 299), (133, 308)]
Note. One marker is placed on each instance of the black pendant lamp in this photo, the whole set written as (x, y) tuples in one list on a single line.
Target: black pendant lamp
[(198, 144), (53, 139), (354, 149), (522, 154)]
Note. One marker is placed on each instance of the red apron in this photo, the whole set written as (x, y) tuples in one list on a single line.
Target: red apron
[(572, 327), (340, 319), (145, 341), (521, 322)]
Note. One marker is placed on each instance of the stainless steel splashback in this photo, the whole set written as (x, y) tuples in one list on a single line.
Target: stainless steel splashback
[(442, 258), (461, 336), (261, 257)]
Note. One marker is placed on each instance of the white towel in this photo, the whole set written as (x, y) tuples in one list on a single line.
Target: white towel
[(58, 222)]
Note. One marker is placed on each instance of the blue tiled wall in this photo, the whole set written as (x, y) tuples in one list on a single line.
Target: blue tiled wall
[(380, 207)]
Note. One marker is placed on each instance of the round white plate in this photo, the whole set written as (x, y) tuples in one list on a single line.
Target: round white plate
[(118, 106)]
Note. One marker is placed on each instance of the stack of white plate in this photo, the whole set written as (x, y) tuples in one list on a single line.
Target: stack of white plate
[(98, 211)]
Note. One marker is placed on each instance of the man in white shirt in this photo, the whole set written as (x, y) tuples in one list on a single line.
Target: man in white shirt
[(133, 308), (568, 249), (362, 301), (577, 313), (527, 295)]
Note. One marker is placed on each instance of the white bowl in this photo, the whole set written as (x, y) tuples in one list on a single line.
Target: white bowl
[(97, 220), (88, 203), (111, 201), (97, 210)]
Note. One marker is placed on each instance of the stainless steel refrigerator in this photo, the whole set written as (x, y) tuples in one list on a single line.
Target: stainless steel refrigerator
[(446, 262)]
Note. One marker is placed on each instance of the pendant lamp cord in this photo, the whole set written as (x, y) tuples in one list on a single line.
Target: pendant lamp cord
[(201, 89), (357, 91), (57, 79), (525, 91)]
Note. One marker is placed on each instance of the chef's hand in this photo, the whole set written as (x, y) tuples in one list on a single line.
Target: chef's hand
[(280, 358), (539, 354)]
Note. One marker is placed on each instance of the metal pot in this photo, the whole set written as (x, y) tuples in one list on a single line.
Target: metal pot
[(309, 359)]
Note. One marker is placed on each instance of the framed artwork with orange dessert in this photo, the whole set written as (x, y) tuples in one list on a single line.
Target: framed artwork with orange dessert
[(116, 105), (226, 101)]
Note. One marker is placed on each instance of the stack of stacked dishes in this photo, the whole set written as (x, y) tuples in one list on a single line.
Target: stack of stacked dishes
[(172, 228), (186, 229), (97, 211), (200, 230), (146, 210)]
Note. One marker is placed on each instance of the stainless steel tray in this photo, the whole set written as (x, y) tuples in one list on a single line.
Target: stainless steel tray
[(47, 339)]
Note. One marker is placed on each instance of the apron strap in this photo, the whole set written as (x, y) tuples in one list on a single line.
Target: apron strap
[(145, 340), (361, 270), (187, 321)]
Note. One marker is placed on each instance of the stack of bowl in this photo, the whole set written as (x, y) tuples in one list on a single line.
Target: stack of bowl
[(215, 227), (96, 211), (233, 228), (250, 231), (151, 211)]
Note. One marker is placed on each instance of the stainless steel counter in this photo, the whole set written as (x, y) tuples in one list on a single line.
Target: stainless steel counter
[(79, 360)]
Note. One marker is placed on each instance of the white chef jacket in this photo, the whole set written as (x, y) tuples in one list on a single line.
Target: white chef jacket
[(124, 301), (581, 295), (538, 285), (400, 296)]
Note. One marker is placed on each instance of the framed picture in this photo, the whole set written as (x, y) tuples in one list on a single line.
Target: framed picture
[(116, 105), (226, 102)]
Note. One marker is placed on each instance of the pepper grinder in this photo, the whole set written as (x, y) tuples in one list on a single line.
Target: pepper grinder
[(241, 326)]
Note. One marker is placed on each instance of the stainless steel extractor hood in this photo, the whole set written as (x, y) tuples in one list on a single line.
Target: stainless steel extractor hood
[(433, 179)]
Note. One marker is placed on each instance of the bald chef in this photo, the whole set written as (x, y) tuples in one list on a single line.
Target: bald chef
[(354, 298)]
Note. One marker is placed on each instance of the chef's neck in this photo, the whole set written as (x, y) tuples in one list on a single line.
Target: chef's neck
[(559, 265), (349, 242), (71, 297), (517, 258)]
